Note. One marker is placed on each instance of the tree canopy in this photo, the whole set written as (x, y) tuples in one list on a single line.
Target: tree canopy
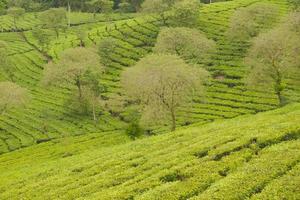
[(12, 96), (295, 4), (161, 84), (54, 18), (187, 43), (248, 22), (79, 67), (273, 58), (185, 13)]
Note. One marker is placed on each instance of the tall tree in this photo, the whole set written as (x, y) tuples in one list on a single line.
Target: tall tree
[(187, 43), (273, 57), (78, 67), (159, 7), (92, 93), (161, 84), (156, 6), (136, 4), (16, 13), (101, 6), (185, 13), (12, 96), (248, 22), (54, 18)]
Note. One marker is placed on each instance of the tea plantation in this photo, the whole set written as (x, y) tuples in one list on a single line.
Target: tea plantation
[(48, 117), (249, 157), (233, 142)]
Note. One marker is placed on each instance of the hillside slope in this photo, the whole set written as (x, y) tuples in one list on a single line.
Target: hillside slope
[(260, 154), (48, 117)]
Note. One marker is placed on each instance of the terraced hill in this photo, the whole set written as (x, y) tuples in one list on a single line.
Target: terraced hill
[(32, 20), (249, 157), (47, 117)]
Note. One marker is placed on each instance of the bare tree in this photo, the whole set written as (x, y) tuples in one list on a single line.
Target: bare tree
[(161, 84), (79, 67), (187, 43), (185, 13), (249, 21), (273, 57), (158, 7), (12, 96)]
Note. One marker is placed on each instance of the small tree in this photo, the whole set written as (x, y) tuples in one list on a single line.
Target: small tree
[(93, 100), (248, 22), (5, 63), (273, 57), (187, 43), (125, 7), (157, 6), (101, 6), (105, 49), (134, 130), (12, 96), (75, 68), (54, 18), (16, 13), (92, 92), (292, 23), (185, 13), (81, 35), (162, 83), (135, 4)]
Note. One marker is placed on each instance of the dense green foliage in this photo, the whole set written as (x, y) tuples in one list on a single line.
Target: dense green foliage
[(226, 95), (255, 157), (295, 4), (91, 155)]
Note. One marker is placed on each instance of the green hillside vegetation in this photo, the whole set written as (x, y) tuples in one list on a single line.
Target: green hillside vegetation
[(249, 157), (149, 99), (226, 95)]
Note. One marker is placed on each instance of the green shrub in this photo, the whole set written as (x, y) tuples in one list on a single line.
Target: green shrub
[(134, 130)]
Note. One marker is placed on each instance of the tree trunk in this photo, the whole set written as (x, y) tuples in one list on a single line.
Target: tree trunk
[(280, 98), (82, 43), (57, 33), (78, 84), (162, 15), (94, 113), (69, 14), (173, 127), (279, 87)]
